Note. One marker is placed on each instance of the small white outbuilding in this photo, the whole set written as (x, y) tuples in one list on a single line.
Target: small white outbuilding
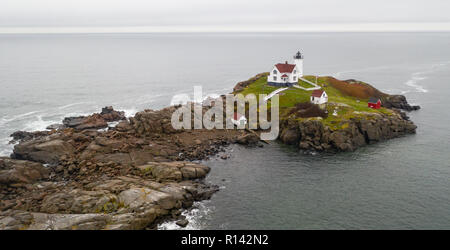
[(319, 96), (239, 120)]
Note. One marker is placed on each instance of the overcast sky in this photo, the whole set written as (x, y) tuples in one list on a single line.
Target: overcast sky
[(223, 15)]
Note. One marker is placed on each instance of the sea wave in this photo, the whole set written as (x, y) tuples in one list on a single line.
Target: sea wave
[(415, 78), (197, 216), (419, 76), (5, 148), (7, 119), (38, 124), (73, 104), (129, 112)]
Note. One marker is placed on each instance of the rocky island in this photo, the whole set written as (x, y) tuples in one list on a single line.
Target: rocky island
[(88, 174), (345, 123)]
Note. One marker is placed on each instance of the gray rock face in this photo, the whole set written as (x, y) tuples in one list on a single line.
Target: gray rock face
[(312, 135), (175, 171), (182, 223), (399, 102), (248, 139), (68, 221), (21, 136), (290, 136), (123, 202), (140, 198), (150, 122), (94, 121)]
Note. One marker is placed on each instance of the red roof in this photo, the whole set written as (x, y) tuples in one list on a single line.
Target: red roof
[(284, 75), (285, 67), (374, 100), (317, 93)]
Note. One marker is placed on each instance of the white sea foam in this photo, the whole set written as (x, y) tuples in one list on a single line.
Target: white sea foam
[(197, 216), (129, 112), (7, 119), (413, 82), (5, 148), (420, 76), (38, 124), (72, 104)]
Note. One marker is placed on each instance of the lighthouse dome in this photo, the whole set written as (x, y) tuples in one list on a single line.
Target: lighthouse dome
[(298, 55)]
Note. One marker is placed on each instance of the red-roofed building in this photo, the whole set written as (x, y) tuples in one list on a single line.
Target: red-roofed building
[(286, 74), (374, 103), (238, 119), (319, 96)]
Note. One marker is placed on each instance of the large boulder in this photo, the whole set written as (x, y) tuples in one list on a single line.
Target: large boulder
[(111, 115), (174, 171), (94, 121), (21, 172), (290, 136), (248, 139), (45, 151), (151, 122), (141, 198), (21, 136), (398, 101)]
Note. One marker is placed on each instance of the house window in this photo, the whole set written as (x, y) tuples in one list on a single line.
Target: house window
[(274, 78), (295, 71), (274, 72), (295, 78)]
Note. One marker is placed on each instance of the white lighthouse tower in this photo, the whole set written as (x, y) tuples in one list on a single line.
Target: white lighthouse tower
[(298, 60)]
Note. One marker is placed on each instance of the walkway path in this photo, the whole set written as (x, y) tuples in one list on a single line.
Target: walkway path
[(307, 89), (274, 93), (295, 86)]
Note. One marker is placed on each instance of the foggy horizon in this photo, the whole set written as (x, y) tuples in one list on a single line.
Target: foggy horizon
[(103, 16)]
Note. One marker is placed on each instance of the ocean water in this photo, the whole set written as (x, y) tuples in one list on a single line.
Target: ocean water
[(399, 184)]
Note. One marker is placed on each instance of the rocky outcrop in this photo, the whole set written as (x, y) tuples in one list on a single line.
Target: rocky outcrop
[(127, 177), (248, 139), (94, 121), (175, 171), (153, 122), (43, 150), (133, 201), (21, 136), (398, 102), (17, 172), (311, 134)]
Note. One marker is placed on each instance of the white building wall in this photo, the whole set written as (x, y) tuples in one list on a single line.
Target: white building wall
[(320, 100), (278, 75), (299, 64)]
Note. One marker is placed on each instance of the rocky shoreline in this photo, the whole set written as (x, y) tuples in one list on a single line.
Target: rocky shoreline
[(87, 174), (311, 134), (131, 176)]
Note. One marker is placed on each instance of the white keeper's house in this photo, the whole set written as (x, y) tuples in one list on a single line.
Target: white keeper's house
[(285, 74)]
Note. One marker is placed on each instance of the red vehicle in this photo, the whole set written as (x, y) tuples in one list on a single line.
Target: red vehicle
[(374, 103)]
